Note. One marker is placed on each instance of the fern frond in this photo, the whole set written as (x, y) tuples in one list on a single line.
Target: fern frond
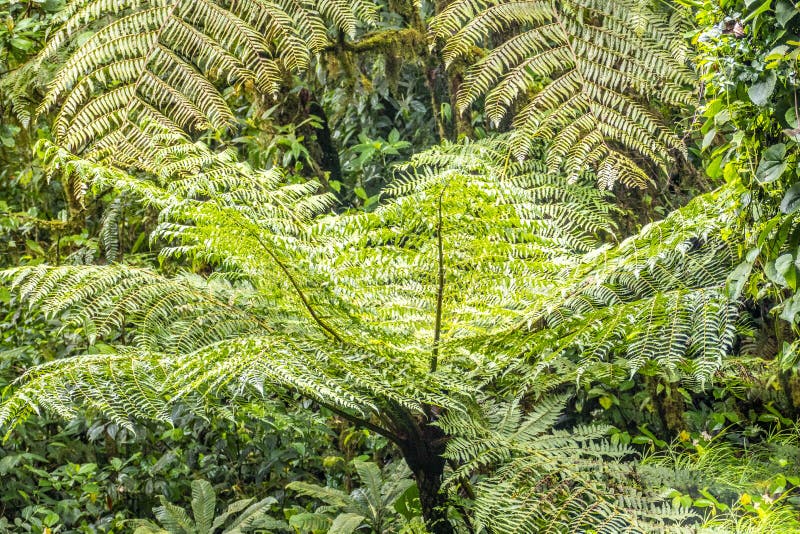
[(586, 70), (525, 275), (163, 61), (109, 229), (547, 480), (660, 296)]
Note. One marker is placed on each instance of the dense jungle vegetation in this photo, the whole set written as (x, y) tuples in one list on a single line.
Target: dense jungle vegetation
[(440, 266)]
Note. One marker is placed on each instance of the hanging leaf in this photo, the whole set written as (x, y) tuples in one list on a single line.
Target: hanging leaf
[(772, 164), (761, 91), (791, 200), (789, 355), (777, 270), (791, 308), (784, 12), (740, 275)]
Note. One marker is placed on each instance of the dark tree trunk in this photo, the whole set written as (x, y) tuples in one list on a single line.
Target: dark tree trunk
[(433, 502), (424, 457), (462, 122), (330, 155)]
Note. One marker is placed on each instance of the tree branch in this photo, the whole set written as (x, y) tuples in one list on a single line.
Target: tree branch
[(402, 41)]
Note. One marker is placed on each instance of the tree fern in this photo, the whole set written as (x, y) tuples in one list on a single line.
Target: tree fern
[(392, 319), (391, 297), (162, 62), (584, 71)]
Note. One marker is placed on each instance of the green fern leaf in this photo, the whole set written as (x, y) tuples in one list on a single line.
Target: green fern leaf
[(583, 69)]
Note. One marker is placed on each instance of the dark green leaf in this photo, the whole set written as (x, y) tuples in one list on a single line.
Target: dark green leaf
[(791, 200), (772, 164)]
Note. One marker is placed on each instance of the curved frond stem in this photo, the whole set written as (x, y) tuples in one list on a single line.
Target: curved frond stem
[(299, 291), (437, 329), (359, 421)]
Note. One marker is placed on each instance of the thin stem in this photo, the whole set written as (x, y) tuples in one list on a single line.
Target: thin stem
[(293, 281), (391, 436), (437, 329), (306, 304)]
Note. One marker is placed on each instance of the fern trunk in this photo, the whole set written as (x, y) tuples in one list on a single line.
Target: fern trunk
[(424, 457)]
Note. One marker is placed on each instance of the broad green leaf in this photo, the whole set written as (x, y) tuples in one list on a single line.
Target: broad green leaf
[(791, 308), (34, 247), (309, 522), (371, 481), (332, 496), (22, 43), (772, 164), (408, 504), (789, 355), (776, 270), (761, 9), (149, 528), (791, 117), (740, 275), (346, 523), (760, 92), (709, 138), (791, 200), (783, 263), (784, 12), (204, 501)]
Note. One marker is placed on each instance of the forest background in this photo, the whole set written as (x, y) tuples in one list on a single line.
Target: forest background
[(585, 314)]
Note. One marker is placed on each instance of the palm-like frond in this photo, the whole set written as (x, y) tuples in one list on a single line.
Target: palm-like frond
[(365, 281), (163, 61), (547, 480), (585, 71), (343, 309)]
